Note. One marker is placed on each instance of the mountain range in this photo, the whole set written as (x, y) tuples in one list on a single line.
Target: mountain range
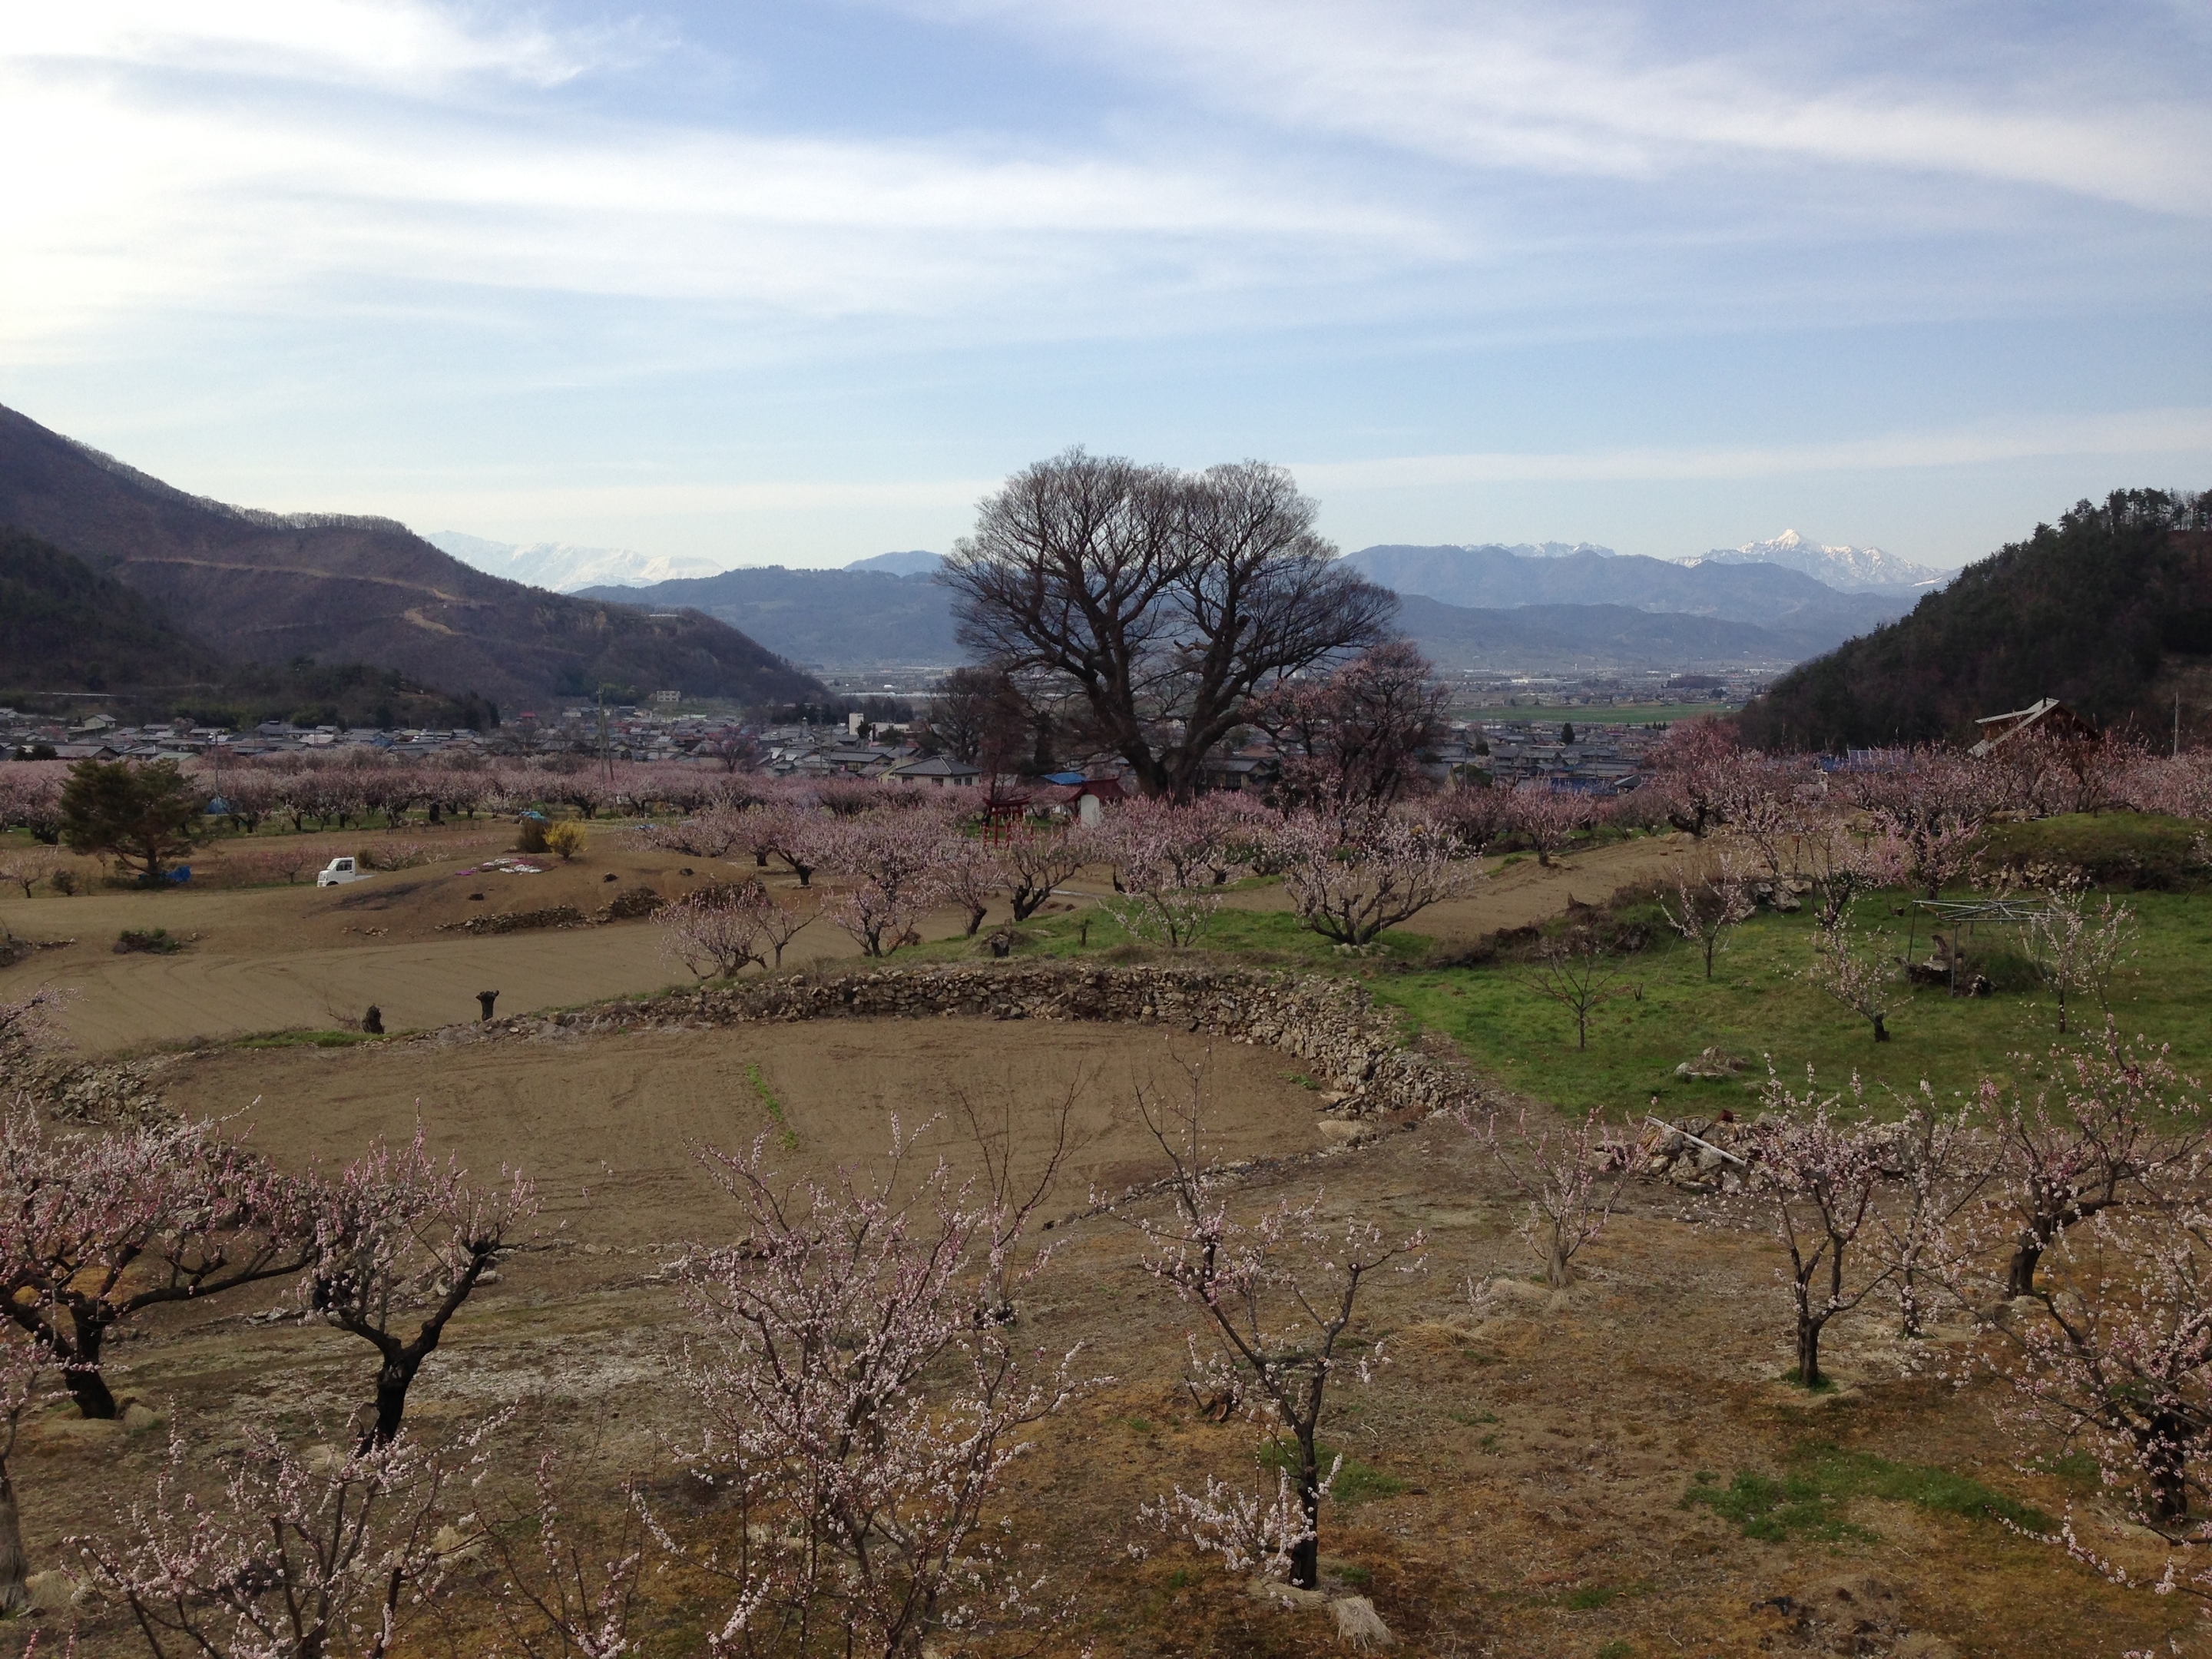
[(245, 586), (1493, 578), (1572, 607), (564, 567), (859, 618), (1852, 569)]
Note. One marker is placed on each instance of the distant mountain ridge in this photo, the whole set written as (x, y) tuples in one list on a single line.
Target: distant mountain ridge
[(268, 587), (856, 618), (1763, 595), (564, 567), (917, 562), (1592, 638), (1850, 569), (1481, 607)]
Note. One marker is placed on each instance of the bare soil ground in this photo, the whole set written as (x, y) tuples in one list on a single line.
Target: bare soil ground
[(1535, 1459), (295, 956)]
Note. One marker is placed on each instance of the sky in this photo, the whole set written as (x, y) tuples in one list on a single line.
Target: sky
[(797, 283)]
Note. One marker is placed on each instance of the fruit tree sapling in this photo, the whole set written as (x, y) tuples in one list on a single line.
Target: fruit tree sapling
[(968, 876), (1279, 1293), (1349, 882), (398, 1233), (2126, 1127), (1579, 974), (1813, 1182), (716, 930), (1548, 817), (1850, 968), (1573, 1175), (1941, 1164), (891, 857), (2115, 1356), (95, 1228), (1165, 856), (1009, 1200), (856, 1414), (1710, 902), (302, 1555), (2075, 947), (1842, 865), (1031, 865)]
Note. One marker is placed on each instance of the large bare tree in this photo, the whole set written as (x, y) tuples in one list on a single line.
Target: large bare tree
[(1160, 602)]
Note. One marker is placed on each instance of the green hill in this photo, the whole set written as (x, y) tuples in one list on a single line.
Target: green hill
[(2108, 610)]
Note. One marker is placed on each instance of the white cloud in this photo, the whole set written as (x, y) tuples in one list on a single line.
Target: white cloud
[(400, 45), (137, 193), (2183, 432), (1601, 89)]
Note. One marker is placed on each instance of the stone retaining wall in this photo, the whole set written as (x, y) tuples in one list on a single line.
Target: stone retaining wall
[(1351, 1049)]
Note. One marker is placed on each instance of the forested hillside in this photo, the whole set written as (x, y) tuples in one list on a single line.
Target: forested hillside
[(269, 588), (2103, 610), (65, 627)]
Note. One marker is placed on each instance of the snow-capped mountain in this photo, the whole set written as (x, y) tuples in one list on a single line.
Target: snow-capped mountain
[(565, 568), (1549, 550), (1853, 570)]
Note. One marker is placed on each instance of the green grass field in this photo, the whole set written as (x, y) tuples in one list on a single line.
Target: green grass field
[(1760, 1008), (1757, 1007)]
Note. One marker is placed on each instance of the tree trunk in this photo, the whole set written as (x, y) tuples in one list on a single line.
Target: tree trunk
[(392, 1383), (13, 1598), (1808, 1353), (2164, 1450), (80, 1373), (1880, 1029), (1559, 1273), (2020, 1274), (1305, 1554)]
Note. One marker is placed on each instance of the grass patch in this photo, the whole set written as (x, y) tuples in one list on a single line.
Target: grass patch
[(154, 941), (1356, 1482), (1776, 1510), (305, 1040), (2136, 851), (1590, 1598), (1262, 938), (1619, 1648), (1806, 1502), (1758, 1004), (788, 1136)]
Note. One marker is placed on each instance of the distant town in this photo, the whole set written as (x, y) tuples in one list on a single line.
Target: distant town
[(1590, 736)]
